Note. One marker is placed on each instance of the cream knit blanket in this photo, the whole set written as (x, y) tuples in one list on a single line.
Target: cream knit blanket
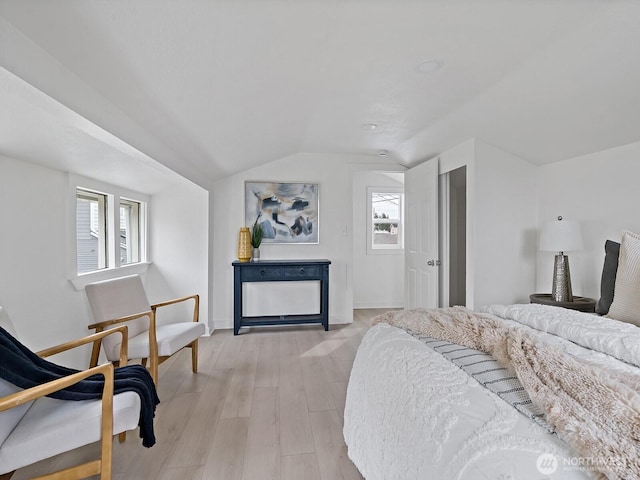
[(594, 410)]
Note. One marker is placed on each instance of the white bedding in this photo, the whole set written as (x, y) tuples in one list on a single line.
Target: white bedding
[(412, 414), (617, 339)]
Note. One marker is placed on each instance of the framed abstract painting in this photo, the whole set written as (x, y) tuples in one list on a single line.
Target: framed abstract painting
[(286, 211)]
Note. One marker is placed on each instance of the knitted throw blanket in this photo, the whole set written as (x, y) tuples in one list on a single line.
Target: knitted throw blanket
[(596, 411)]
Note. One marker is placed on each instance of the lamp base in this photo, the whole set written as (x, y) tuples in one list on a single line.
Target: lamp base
[(561, 290)]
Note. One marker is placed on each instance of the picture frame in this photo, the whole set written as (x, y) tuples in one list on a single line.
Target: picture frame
[(287, 211)]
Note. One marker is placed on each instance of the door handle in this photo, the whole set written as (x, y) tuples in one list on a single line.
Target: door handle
[(433, 263)]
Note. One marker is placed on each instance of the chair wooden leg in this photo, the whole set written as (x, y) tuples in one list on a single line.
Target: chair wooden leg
[(144, 362), (122, 437), (153, 370), (194, 356)]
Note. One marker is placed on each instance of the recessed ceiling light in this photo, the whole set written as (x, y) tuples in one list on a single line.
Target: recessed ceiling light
[(430, 65), (369, 127), (382, 153)]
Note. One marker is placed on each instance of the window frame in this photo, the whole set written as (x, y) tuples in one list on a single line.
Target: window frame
[(101, 199), (113, 266), (397, 249), (134, 247)]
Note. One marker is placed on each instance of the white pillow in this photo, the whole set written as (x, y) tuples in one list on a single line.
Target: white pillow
[(626, 297)]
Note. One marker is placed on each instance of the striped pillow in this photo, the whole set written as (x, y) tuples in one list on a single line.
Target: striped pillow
[(626, 298)]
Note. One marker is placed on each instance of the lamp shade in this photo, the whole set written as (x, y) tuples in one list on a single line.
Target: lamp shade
[(560, 236)]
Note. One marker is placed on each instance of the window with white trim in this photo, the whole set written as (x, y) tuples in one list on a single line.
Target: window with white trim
[(106, 239), (129, 231), (91, 231), (385, 220)]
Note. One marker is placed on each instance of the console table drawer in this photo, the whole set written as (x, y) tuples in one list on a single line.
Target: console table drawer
[(262, 274), (303, 271)]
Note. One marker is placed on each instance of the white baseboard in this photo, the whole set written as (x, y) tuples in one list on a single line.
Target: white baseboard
[(361, 305)]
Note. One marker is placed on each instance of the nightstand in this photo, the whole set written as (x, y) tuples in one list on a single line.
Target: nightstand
[(582, 304)]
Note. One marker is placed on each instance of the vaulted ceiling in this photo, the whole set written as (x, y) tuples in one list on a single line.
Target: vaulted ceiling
[(210, 88)]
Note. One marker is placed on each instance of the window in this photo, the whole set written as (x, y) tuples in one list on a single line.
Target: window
[(129, 231), (91, 231), (105, 240), (385, 220)]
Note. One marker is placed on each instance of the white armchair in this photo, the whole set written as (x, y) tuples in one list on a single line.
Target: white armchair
[(34, 427), (124, 301)]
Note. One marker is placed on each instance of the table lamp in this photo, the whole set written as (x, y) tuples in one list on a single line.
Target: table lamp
[(561, 236)]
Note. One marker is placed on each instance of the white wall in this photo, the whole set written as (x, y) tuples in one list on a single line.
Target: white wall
[(34, 287), (501, 222), (378, 279), (504, 227), (179, 246), (44, 306), (601, 192), (332, 173)]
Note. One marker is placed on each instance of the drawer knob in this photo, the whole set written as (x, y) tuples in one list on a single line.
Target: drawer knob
[(262, 272), (302, 271)]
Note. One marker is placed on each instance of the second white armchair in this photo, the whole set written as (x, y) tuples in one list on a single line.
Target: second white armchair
[(124, 300)]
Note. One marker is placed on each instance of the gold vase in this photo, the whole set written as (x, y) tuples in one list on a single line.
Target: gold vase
[(244, 244)]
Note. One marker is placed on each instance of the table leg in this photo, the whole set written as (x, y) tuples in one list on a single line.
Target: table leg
[(237, 301)]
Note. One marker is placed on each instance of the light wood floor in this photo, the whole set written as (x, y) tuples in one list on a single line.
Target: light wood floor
[(265, 405)]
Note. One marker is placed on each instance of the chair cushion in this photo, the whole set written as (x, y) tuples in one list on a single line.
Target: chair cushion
[(10, 418), (51, 427), (171, 338), (174, 336)]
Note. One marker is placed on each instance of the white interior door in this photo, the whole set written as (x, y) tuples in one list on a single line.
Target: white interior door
[(421, 240)]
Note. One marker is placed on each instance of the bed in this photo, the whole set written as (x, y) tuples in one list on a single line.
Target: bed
[(426, 401)]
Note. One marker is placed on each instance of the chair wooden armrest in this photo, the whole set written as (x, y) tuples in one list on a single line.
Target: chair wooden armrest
[(93, 338), (28, 394), (99, 327), (100, 466), (196, 309)]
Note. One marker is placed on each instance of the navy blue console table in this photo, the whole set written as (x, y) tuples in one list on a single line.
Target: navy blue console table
[(280, 271)]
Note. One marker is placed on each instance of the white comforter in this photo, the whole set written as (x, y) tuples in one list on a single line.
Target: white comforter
[(411, 414)]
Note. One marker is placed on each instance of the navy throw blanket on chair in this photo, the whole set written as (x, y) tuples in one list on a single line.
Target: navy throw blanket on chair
[(23, 368)]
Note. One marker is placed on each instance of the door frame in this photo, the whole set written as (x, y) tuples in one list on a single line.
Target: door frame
[(347, 230), (464, 157), (444, 225)]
